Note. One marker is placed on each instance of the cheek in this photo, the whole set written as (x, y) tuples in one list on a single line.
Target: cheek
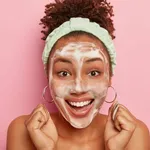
[(60, 88), (98, 87)]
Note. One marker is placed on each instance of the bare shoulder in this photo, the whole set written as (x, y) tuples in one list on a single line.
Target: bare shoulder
[(17, 135), (143, 130), (140, 138)]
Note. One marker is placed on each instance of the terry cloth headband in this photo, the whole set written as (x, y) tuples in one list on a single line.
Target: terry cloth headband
[(79, 24)]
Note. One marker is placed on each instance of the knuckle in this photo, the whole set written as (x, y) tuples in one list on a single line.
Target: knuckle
[(35, 110), (39, 105), (41, 108), (120, 109), (39, 113), (133, 120), (118, 116), (132, 127), (121, 105), (118, 113)]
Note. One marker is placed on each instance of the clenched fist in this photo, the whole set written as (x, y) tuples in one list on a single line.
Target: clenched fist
[(41, 129), (120, 127)]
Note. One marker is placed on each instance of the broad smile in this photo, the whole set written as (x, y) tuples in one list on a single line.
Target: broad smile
[(79, 108)]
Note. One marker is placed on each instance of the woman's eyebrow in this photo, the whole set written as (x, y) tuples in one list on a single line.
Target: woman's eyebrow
[(93, 59), (62, 60)]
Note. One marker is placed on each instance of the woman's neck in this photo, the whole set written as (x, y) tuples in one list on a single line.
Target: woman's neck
[(94, 131)]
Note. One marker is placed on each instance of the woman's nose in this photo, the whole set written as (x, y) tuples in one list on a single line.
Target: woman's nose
[(78, 87)]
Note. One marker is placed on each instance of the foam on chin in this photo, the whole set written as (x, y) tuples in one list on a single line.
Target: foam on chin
[(82, 122), (78, 51)]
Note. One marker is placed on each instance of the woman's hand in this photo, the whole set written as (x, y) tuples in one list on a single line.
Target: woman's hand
[(41, 129), (120, 127)]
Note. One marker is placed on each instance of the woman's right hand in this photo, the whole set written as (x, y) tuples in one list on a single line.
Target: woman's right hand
[(41, 128)]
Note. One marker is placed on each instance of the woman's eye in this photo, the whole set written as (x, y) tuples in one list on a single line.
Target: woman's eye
[(94, 73), (63, 73)]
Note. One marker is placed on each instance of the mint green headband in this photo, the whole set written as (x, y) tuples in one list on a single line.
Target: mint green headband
[(79, 24)]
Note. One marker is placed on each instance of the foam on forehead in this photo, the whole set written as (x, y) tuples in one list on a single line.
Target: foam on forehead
[(78, 51), (81, 49)]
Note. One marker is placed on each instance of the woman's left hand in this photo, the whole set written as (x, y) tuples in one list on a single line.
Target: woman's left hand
[(119, 127)]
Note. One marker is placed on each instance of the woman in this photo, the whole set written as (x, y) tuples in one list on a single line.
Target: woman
[(79, 59)]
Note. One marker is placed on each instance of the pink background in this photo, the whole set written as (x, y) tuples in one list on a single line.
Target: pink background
[(22, 76)]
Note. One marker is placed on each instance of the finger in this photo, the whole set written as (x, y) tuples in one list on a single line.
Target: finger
[(117, 123), (39, 105), (110, 123), (47, 127), (47, 112), (111, 109), (36, 121), (127, 129), (124, 112), (115, 105), (34, 128), (38, 138), (121, 111), (42, 121), (26, 121), (41, 109), (115, 111)]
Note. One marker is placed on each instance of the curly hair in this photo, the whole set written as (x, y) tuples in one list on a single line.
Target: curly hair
[(99, 11)]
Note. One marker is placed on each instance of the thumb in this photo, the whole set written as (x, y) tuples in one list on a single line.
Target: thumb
[(111, 109), (127, 129), (49, 129), (109, 128)]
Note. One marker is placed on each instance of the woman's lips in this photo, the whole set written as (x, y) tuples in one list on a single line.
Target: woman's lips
[(79, 109)]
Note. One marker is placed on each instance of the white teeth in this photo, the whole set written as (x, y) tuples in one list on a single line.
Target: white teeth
[(80, 104)]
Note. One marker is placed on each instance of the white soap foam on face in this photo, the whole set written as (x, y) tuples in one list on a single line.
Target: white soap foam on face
[(77, 52)]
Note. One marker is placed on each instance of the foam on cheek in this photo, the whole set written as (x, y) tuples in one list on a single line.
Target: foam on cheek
[(61, 90), (78, 51)]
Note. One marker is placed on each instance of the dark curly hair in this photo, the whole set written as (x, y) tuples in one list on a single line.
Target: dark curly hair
[(99, 11)]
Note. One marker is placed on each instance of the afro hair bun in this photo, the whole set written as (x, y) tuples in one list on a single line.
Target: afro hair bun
[(60, 11)]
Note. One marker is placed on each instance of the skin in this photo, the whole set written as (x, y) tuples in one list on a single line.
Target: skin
[(43, 131), (78, 61)]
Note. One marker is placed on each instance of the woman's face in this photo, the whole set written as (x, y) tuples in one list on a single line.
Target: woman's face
[(79, 79)]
